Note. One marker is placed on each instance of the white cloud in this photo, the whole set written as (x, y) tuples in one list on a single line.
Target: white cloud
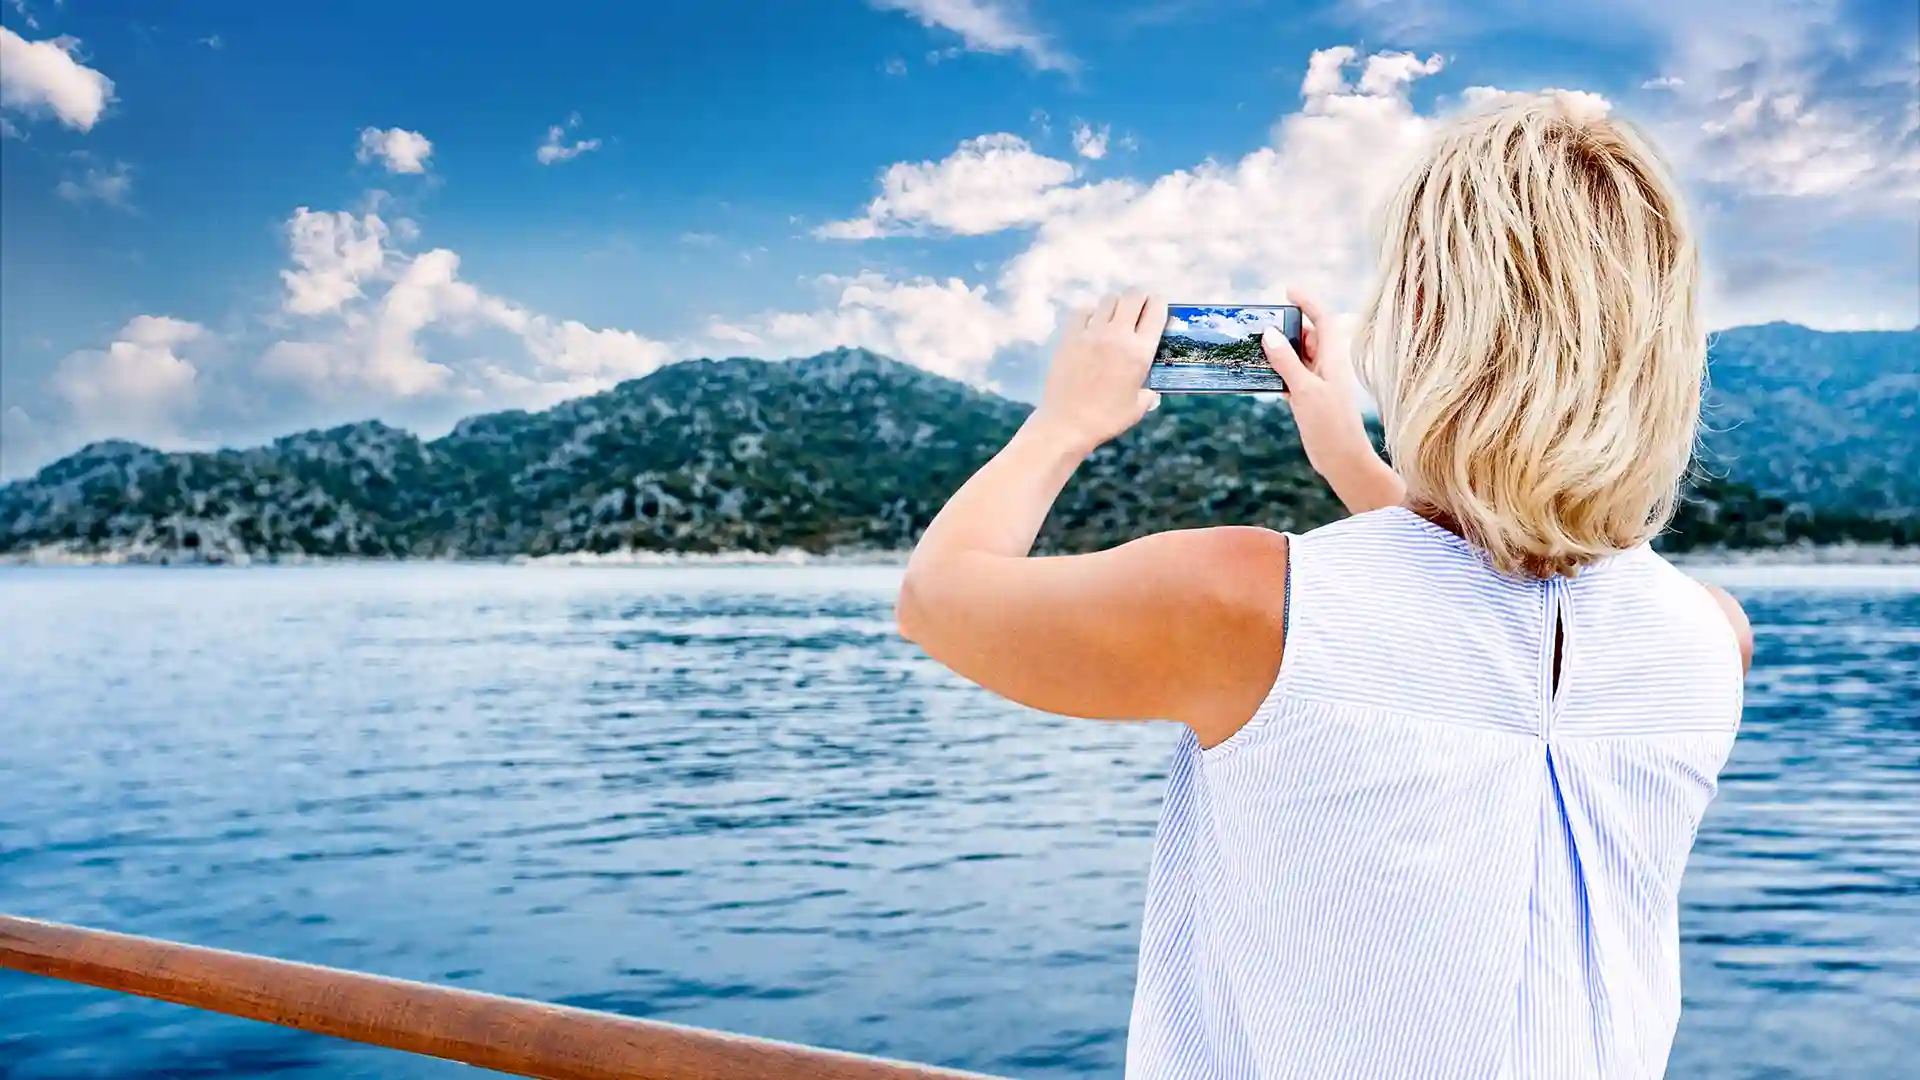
[(1231, 324), (1580, 105), (368, 324), (400, 150), (139, 387), (1387, 72), (947, 327), (1811, 100), (989, 26), (373, 347), (8, 131), (572, 359), (990, 183), (40, 76), (1290, 213), (368, 305), (1802, 103), (556, 148), (1293, 212), (109, 186), (332, 254), (365, 328), (1775, 141), (1795, 125), (1326, 72), (1089, 143)]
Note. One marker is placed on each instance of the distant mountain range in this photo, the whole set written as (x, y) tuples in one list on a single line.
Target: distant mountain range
[(1830, 419), (851, 452), (1240, 352)]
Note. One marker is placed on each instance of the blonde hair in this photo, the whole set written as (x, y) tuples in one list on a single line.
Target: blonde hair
[(1532, 340)]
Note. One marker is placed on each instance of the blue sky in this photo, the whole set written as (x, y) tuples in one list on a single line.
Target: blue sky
[(1220, 323), (225, 221)]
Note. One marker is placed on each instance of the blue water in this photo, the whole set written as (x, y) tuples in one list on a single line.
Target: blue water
[(1177, 377), (734, 798)]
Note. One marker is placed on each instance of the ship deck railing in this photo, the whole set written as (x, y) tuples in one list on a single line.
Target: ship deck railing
[(508, 1035)]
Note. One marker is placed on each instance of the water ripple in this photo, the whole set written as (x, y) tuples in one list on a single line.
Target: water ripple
[(737, 799)]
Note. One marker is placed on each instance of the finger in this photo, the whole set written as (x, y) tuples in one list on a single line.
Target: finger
[(1283, 359), (1315, 318), (1080, 319), (1104, 313), (1308, 304), (1149, 401), (1127, 311), (1153, 317)]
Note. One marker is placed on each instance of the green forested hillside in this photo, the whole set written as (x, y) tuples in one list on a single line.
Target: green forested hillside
[(842, 452), (1827, 418)]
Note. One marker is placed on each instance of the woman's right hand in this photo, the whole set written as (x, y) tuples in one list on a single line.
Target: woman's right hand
[(1096, 385), (1325, 400)]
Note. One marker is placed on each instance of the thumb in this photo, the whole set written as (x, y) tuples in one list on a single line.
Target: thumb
[(1148, 401), (1280, 354)]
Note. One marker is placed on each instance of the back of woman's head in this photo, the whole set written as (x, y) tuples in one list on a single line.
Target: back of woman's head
[(1532, 340)]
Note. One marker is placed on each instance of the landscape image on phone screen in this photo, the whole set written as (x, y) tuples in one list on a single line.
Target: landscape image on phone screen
[(1215, 348)]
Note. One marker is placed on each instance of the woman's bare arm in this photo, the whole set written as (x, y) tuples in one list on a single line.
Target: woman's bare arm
[(1737, 617), (1182, 626)]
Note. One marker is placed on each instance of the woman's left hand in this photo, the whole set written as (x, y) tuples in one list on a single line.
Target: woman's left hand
[(1096, 385)]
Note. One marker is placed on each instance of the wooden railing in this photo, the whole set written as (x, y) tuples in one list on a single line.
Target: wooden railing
[(524, 1038)]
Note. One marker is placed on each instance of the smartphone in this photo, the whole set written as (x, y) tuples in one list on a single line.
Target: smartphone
[(1215, 349)]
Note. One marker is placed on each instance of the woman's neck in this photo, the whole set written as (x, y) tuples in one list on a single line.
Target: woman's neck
[(1433, 513)]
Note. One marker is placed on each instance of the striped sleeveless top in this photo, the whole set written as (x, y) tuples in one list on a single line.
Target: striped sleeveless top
[(1422, 857)]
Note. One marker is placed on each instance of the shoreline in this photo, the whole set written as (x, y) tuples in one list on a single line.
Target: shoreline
[(1800, 555), (1796, 556), (1230, 365), (56, 558)]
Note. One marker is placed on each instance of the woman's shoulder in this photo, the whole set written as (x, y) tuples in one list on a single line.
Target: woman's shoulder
[(1233, 567), (1247, 567), (1701, 608), (1384, 546), (1231, 600), (1736, 617)]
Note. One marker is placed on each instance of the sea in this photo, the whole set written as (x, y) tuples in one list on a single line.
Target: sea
[(1174, 378), (734, 798)]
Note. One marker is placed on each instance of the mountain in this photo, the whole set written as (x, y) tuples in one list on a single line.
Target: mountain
[(1241, 352), (1828, 419), (842, 452), (846, 451)]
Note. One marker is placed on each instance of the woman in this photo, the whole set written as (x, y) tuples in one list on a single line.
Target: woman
[(1445, 758)]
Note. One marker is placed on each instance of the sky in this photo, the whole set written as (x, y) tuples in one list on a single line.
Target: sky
[(227, 221), (1219, 324)]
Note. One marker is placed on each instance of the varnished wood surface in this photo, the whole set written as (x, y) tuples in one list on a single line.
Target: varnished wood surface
[(524, 1038)]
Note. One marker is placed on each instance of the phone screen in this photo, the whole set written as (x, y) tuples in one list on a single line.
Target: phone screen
[(1215, 349)]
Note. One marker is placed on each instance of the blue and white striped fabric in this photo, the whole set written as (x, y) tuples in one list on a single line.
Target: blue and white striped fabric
[(1419, 859)]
